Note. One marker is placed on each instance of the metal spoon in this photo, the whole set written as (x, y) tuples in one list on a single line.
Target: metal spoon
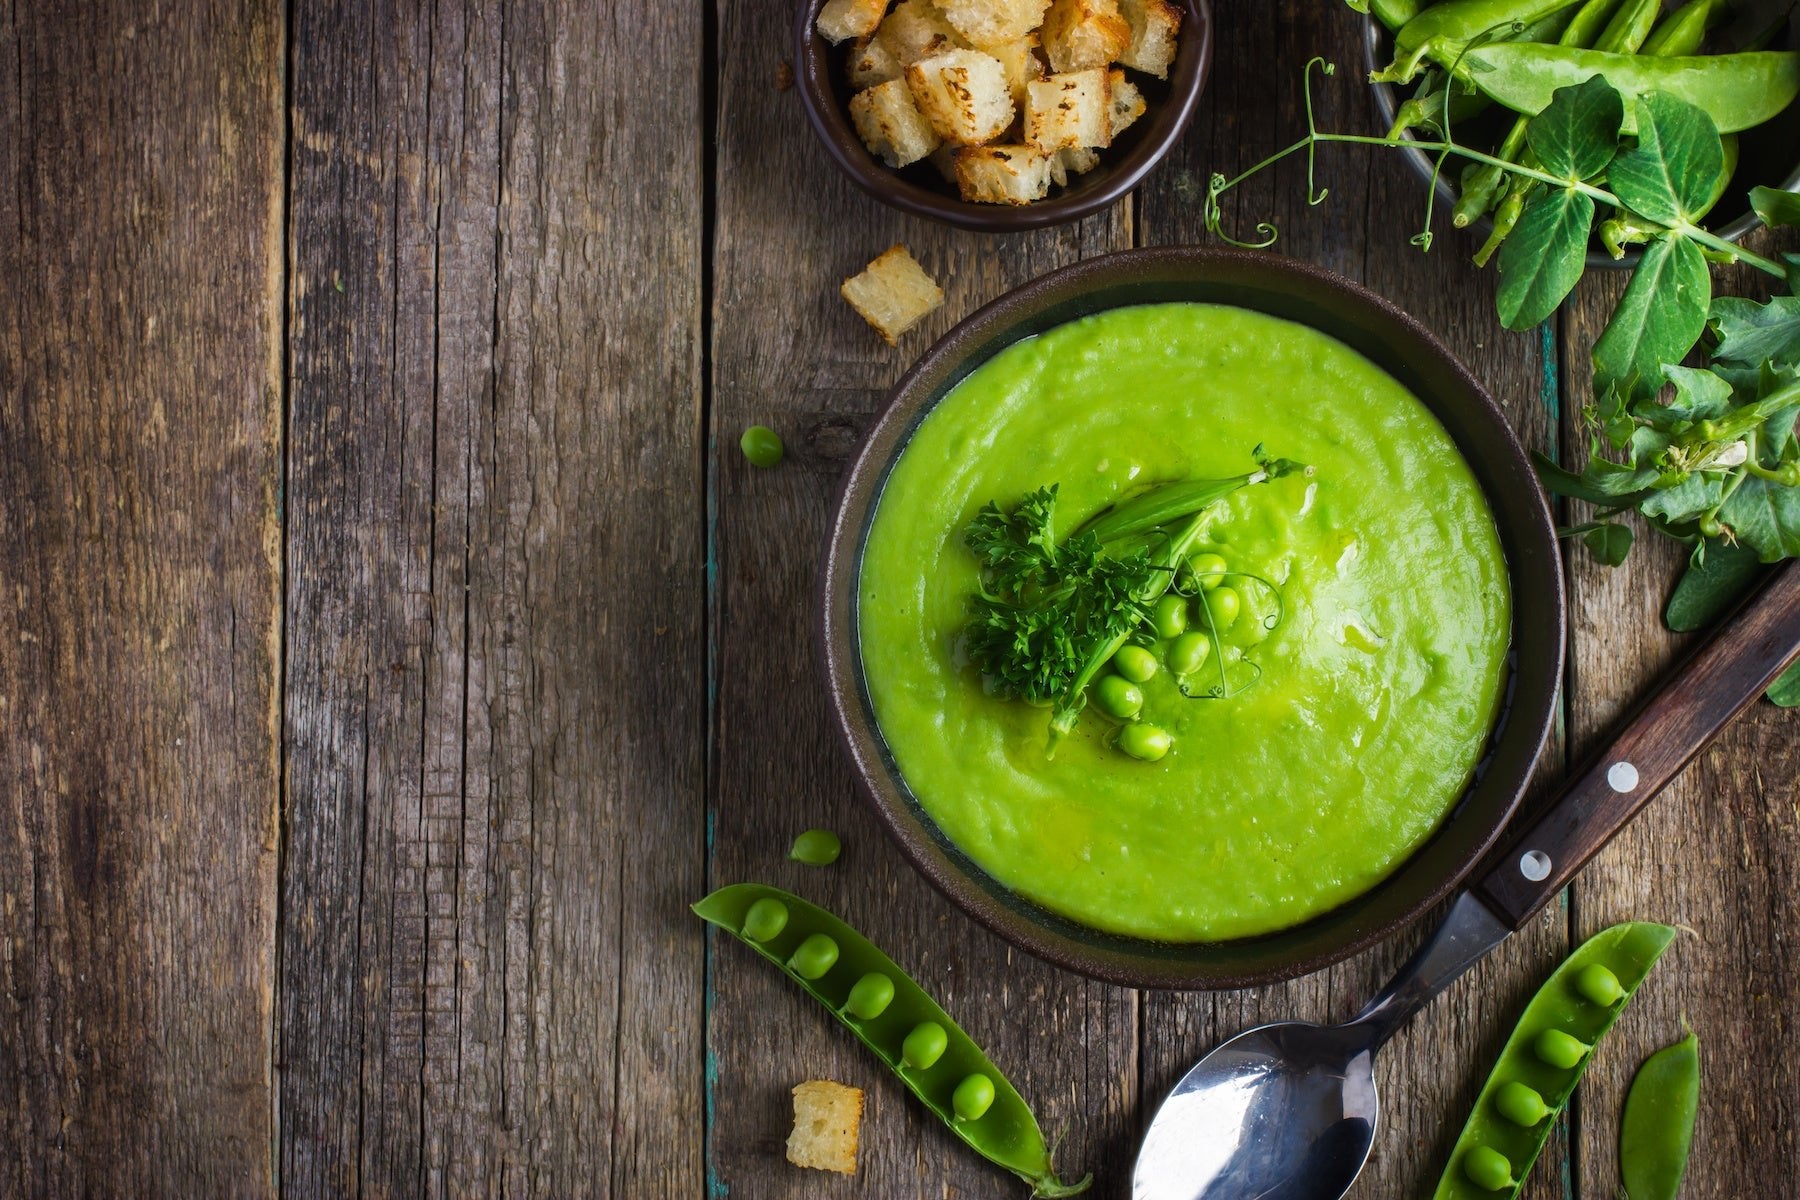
[(1288, 1111)]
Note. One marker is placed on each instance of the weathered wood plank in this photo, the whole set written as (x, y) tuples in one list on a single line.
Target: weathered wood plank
[(1716, 853), (496, 673), (1430, 1074), (140, 475), (789, 353)]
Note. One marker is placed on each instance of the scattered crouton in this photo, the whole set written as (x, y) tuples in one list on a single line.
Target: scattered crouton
[(1019, 59), (963, 93), (1154, 26), (987, 23), (891, 125), (1125, 102), (841, 20), (917, 30), (870, 63), (893, 294), (827, 1120), (1069, 111), (1079, 34), (1008, 174)]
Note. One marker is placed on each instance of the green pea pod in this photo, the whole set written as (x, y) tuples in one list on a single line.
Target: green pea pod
[(1426, 107), (1738, 91), (1392, 13), (1544, 1058), (1629, 27), (1683, 31), (1444, 31), (889, 1015), (1658, 1127)]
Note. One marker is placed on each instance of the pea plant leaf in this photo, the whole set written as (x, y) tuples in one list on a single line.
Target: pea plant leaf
[(1686, 501), (1544, 258), (1751, 333), (1672, 173), (1561, 481), (1764, 516), (1578, 134), (1658, 319), (1699, 394), (1786, 689), (1707, 591), (1776, 207), (1609, 542)]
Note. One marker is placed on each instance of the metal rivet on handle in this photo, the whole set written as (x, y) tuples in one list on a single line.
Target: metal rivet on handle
[(1535, 865), (1622, 777)]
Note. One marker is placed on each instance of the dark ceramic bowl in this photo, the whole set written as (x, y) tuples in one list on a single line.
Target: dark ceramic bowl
[(920, 190), (1768, 155), (1311, 296)]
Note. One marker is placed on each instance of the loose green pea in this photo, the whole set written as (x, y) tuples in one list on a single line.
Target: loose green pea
[(1559, 1049), (1134, 663), (1225, 604), (1170, 617), (765, 919), (816, 848), (1209, 569), (1487, 1168), (813, 957), (1144, 741), (761, 445), (924, 1045), (1520, 1104), (1599, 985), (1188, 653), (1118, 697), (870, 996), (973, 1097)]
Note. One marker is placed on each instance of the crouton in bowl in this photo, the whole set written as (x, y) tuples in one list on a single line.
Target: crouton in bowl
[(1000, 115)]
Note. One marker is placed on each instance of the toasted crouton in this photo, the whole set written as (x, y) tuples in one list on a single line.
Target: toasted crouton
[(1009, 174), (991, 22), (1066, 164), (871, 62), (963, 93), (1020, 61), (916, 30), (1079, 34), (827, 1119), (893, 293), (1124, 100), (891, 125), (944, 159), (841, 20), (1069, 111), (1154, 26)]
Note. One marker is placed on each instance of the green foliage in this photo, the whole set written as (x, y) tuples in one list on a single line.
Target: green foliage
[(1777, 208), (1711, 587), (1658, 319), (1609, 543), (1543, 260)]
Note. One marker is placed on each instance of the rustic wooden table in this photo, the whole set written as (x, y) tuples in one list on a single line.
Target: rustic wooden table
[(393, 641)]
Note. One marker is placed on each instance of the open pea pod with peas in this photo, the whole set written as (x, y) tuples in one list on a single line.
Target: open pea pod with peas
[(897, 1020), (1545, 1057)]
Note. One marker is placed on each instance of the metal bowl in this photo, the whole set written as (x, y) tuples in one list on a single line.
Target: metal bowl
[(1398, 344), (920, 190)]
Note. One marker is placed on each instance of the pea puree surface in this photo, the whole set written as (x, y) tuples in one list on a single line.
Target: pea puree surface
[(1378, 687)]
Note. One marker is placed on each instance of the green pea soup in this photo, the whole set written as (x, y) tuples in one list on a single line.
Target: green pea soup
[(1373, 695)]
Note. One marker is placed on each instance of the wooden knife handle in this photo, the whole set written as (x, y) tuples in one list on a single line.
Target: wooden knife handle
[(1718, 682)]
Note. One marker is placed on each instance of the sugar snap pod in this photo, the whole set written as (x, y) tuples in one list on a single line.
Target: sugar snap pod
[(1544, 1058), (895, 1018), (1657, 1129)]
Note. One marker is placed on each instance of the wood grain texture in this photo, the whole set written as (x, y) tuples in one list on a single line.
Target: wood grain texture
[(789, 353), (496, 549), (140, 470)]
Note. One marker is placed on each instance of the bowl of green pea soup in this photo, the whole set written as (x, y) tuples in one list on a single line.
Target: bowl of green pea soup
[(1192, 618)]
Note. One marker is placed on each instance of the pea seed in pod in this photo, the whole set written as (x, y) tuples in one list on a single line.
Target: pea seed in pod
[(1146, 742), (816, 848), (761, 445), (1224, 604), (1135, 663), (973, 1097), (765, 919), (1209, 569), (870, 996), (1599, 985), (814, 957), (1520, 1104), (1118, 697), (1170, 617), (1487, 1168), (1189, 652), (1559, 1049), (924, 1045)]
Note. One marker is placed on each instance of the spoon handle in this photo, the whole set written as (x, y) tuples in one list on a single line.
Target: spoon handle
[(1722, 679)]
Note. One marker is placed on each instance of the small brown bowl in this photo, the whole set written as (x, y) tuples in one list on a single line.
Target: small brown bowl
[(920, 190), (1399, 345)]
